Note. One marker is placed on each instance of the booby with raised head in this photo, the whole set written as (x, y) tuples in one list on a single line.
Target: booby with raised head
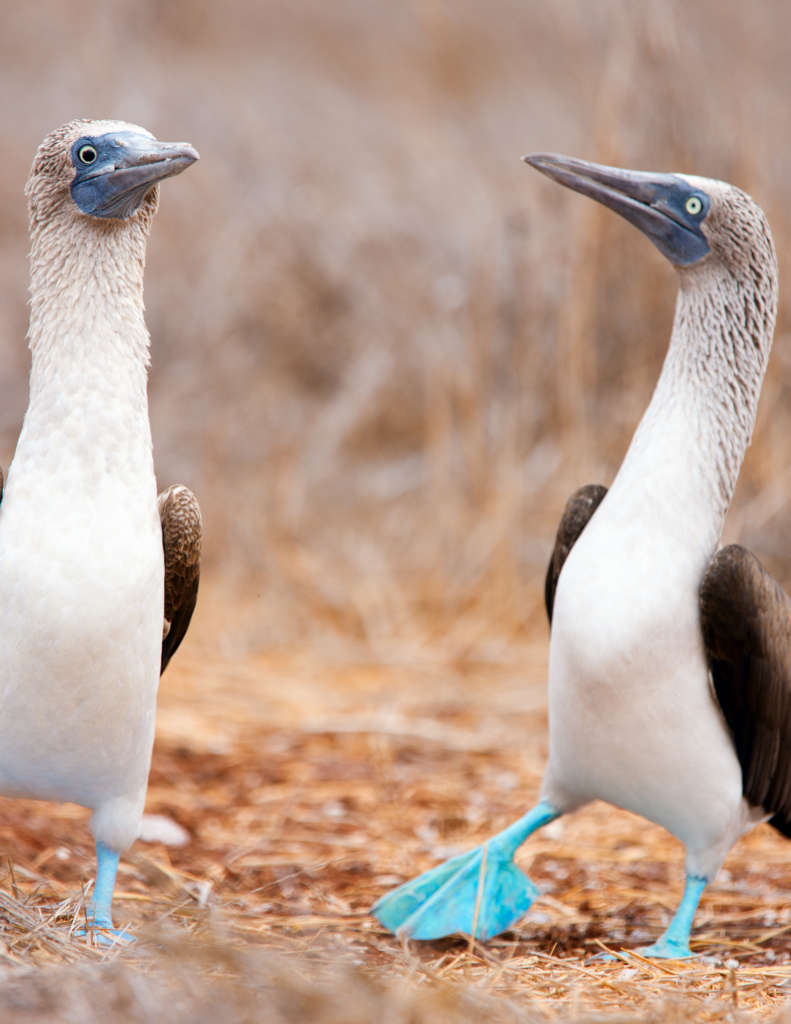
[(89, 557), (670, 661)]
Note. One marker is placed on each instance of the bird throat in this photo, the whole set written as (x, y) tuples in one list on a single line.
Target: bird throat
[(86, 285)]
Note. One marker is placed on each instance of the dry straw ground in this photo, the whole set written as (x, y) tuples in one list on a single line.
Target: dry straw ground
[(384, 353), (310, 783)]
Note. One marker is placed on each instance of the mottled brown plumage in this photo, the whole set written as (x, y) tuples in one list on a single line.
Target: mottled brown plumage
[(181, 538), (746, 623), (576, 515)]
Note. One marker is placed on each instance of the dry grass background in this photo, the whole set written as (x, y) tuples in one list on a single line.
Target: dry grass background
[(384, 353)]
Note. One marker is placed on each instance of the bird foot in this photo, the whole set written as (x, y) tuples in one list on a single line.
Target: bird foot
[(106, 937), (99, 929), (474, 894), (666, 949), (481, 893)]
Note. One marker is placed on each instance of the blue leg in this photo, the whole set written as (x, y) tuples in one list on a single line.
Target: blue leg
[(480, 893), (100, 912), (674, 944), (99, 909)]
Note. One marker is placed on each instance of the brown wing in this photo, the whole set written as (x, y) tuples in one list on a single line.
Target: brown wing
[(576, 516), (181, 537), (746, 623), (2, 483)]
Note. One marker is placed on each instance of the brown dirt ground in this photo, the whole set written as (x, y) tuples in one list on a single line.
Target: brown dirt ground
[(312, 781)]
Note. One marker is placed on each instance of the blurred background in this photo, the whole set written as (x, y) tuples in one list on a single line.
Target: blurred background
[(385, 351)]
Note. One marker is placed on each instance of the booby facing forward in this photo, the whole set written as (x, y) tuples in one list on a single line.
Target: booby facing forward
[(670, 665), (89, 557)]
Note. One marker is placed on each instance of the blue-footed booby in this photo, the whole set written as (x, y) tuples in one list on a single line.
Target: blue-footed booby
[(670, 661), (89, 557)]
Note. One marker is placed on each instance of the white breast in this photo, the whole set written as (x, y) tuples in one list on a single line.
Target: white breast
[(632, 717), (81, 594)]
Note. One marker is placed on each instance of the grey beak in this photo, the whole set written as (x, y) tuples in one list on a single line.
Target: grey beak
[(654, 203)]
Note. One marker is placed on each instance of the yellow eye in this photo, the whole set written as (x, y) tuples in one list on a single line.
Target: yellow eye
[(693, 205), (87, 154)]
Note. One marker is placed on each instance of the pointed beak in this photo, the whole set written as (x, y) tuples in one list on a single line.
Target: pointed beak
[(654, 203), (144, 161)]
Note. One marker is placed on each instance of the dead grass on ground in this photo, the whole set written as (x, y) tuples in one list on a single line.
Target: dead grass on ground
[(311, 782)]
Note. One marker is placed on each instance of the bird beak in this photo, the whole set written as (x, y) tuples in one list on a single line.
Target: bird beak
[(134, 163), (654, 203), (144, 161)]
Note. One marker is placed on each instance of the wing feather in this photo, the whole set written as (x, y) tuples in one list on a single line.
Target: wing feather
[(180, 516), (746, 623), (576, 516)]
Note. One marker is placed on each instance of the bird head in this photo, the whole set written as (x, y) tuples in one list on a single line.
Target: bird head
[(102, 169), (692, 221)]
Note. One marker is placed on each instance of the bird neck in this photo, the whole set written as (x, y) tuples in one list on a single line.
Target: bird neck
[(694, 434), (88, 411), (87, 331)]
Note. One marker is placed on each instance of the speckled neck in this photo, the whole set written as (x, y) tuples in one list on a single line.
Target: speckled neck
[(86, 284), (699, 423), (88, 382), (718, 355)]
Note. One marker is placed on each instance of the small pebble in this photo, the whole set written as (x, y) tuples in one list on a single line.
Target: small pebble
[(554, 830), (158, 828)]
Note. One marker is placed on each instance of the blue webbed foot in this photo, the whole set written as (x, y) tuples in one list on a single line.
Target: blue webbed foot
[(100, 928), (480, 893), (101, 935), (666, 949), (674, 944)]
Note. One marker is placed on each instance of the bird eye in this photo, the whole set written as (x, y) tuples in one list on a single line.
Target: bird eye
[(693, 205), (87, 154)]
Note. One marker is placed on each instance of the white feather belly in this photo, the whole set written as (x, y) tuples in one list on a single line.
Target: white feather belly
[(81, 597), (632, 717)]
